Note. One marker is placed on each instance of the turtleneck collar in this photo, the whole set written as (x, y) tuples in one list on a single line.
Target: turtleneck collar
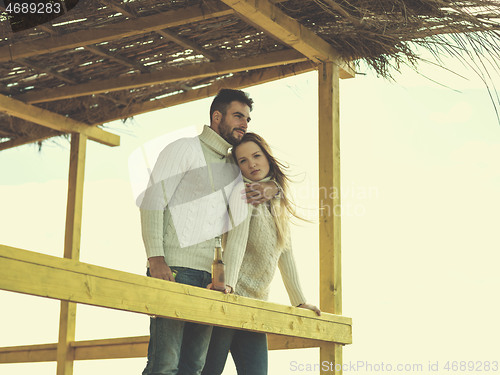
[(215, 141)]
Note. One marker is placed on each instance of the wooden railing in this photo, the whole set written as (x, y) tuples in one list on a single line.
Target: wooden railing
[(74, 281)]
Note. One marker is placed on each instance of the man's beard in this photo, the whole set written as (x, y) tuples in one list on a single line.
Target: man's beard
[(227, 133)]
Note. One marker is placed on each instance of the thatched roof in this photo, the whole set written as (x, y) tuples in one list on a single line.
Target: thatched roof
[(110, 59)]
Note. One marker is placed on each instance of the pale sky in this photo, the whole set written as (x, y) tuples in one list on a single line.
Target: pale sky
[(420, 247)]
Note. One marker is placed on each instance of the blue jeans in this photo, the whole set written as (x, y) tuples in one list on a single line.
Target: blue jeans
[(248, 349), (177, 347)]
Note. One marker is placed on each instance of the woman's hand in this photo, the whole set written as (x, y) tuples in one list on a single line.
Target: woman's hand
[(310, 307), (260, 192), (228, 290)]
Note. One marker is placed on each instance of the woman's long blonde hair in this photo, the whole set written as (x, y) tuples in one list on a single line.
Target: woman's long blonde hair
[(281, 209)]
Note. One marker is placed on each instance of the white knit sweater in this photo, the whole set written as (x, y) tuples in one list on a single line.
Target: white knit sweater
[(260, 258), (184, 231)]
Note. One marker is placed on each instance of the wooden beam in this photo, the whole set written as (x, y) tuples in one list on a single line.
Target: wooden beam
[(55, 121), (186, 43), (274, 21), (46, 70), (238, 81), (165, 75), (166, 34), (67, 321), (139, 26), (28, 353), (329, 184), (99, 51), (73, 281), (21, 141), (65, 355), (329, 203), (126, 347), (59, 76), (75, 196), (118, 59)]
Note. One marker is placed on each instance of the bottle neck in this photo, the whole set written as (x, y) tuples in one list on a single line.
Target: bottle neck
[(218, 254)]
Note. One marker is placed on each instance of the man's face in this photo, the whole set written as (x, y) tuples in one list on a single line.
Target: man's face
[(233, 125)]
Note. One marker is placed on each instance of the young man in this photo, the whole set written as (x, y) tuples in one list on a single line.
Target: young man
[(181, 214)]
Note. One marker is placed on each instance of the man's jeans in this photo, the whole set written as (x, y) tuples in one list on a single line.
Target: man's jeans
[(177, 347), (248, 349)]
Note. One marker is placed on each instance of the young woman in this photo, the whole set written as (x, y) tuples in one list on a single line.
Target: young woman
[(268, 247)]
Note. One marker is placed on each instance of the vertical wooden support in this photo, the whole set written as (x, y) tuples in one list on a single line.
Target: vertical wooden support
[(67, 321), (329, 203)]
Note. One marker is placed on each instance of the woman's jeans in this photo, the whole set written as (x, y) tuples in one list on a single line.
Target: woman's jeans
[(177, 347), (248, 349)]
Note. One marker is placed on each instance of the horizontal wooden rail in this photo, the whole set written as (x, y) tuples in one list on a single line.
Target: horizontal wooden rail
[(69, 280), (126, 347)]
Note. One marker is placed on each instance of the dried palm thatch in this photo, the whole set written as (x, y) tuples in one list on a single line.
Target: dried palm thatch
[(383, 34)]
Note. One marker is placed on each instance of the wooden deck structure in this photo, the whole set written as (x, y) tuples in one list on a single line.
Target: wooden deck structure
[(111, 59), (74, 282)]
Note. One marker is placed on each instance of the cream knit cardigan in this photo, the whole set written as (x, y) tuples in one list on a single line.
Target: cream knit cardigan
[(260, 258)]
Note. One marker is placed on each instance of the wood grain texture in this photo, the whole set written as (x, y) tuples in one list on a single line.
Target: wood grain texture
[(74, 281)]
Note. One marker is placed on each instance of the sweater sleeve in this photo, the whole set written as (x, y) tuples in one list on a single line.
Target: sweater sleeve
[(172, 164), (289, 274), (237, 238)]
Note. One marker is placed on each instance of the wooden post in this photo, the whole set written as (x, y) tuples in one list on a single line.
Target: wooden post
[(329, 203), (67, 322)]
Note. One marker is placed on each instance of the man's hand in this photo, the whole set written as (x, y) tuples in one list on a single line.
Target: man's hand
[(260, 192), (311, 307), (159, 269), (228, 290)]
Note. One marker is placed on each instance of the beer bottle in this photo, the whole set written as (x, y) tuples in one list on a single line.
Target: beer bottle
[(218, 280)]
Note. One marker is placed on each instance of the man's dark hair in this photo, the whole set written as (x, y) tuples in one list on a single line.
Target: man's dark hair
[(225, 97)]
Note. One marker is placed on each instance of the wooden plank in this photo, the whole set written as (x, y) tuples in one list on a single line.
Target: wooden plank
[(165, 33), (329, 185), (96, 50), (128, 28), (65, 355), (123, 347), (238, 81), (75, 196), (330, 355), (186, 43), (137, 347), (55, 121), (280, 342), (73, 281), (166, 75), (21, 141), (275, 22), (28, 353), (118, 59), (67, 320), (46, 70), (329, 203)]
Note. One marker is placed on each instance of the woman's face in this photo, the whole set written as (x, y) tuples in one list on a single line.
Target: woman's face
[(252, 161)]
